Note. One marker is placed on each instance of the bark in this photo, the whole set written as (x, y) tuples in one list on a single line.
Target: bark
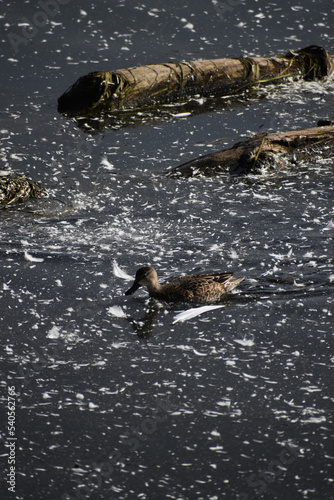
[(149, 86), (263, 151)]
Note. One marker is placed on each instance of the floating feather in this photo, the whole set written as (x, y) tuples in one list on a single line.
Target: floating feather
[(245, 342), (54, 333), (30, 258), (329, 226), (105, 163), (193, 312), (116, 311), (121, 274)]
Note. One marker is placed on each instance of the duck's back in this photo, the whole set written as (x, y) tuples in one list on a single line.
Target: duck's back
[(198, 288)]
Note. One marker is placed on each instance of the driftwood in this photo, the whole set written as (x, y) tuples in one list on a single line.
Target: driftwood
[(149, 86), (262, 151), (15, 188)]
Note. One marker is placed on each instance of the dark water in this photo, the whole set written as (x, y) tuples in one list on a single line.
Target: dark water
[(236, 403)]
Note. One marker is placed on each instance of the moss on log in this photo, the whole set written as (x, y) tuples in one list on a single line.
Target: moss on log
[(15, 188), (155, 84), (262, 151)]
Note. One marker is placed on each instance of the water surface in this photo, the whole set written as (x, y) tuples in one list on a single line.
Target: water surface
[(235, 403)]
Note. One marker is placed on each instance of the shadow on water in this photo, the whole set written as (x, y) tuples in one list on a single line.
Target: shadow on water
[(166, 113)]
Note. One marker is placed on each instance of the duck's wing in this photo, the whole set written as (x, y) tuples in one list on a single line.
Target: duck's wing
[(198, 285), (192, 281), (199, 288)]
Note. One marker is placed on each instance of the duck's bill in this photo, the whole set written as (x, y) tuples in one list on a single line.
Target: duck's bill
[(134, 287)]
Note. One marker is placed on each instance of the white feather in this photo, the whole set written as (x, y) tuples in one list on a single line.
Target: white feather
[(116, 311), (193, 312), (30, 258), (107, 163), (245, 342), (119, 273), (329, 226)]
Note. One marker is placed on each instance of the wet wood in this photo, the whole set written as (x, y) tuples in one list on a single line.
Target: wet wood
[(148, 86), (263, 151)]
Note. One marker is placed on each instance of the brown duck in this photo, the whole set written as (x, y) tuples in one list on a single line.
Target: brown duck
[(195, 288)]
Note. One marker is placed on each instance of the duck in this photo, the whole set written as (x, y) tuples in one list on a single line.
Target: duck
[(193, 288)]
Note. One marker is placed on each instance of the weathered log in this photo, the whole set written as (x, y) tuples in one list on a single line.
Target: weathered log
[(262, 151), (145, 86), (15, 188)]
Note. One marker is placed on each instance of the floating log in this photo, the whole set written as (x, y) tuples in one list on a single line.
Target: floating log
[(152, 85), (15, 188), (262, 151)]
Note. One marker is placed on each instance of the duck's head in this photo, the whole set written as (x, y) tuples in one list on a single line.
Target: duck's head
[(146, 275)]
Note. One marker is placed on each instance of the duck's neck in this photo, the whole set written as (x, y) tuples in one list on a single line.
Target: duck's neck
[(154, 287)]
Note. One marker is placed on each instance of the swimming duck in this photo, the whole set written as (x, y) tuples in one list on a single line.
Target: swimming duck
[(194, 288)]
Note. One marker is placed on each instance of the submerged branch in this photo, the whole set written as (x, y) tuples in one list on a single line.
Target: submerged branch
[(262, 151)]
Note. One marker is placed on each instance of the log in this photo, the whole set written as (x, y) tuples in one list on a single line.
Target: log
[(15, 188), (153, 85), (273, 151)]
